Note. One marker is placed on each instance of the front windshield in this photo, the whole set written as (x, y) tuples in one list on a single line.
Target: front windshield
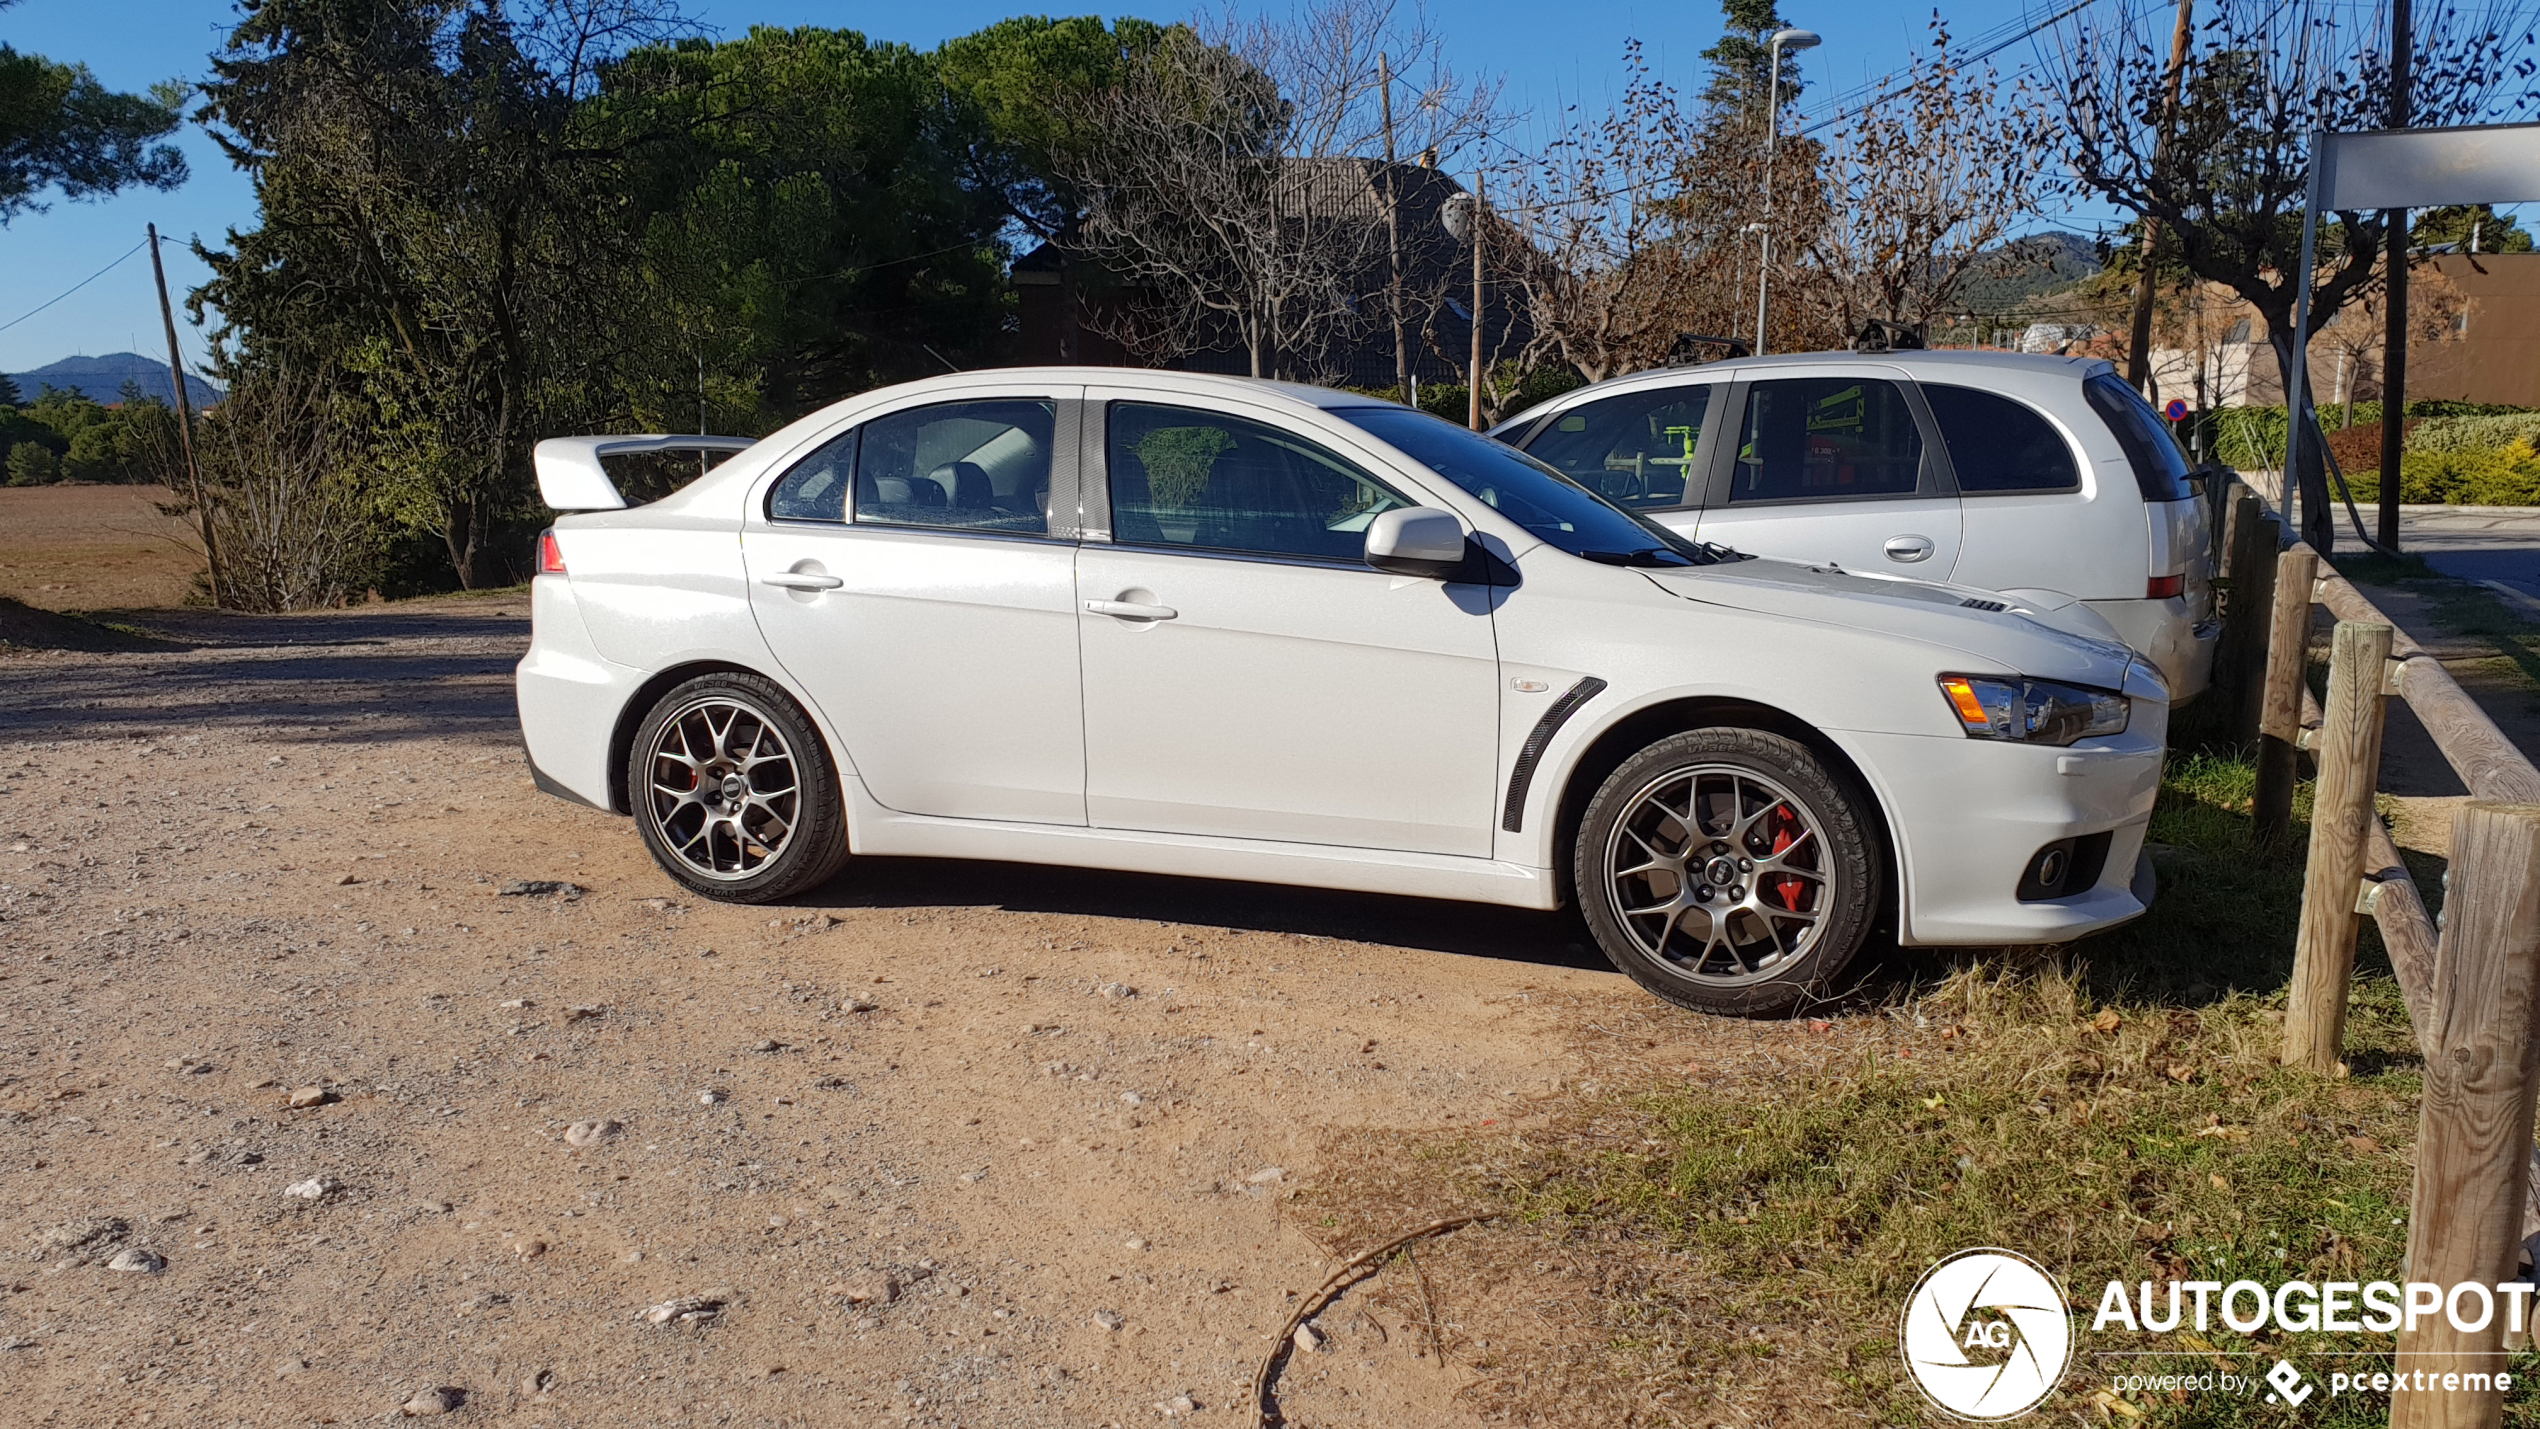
[(1561, 512)]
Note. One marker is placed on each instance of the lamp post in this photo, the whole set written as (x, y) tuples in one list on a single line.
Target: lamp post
[(1782, 40)]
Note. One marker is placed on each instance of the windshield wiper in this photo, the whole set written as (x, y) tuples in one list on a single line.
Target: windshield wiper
[(1645, 556)]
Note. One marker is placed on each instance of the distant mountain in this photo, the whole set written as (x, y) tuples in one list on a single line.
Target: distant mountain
[(2023, 268), (102, 379)]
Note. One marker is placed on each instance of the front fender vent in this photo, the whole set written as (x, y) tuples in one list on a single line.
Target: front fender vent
[(1513, 817)]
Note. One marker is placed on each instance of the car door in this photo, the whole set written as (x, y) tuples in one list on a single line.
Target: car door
[(1835, 466), (908, 574), (1245, 673)]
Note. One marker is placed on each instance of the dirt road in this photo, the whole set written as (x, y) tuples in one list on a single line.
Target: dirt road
[(952, 1144)]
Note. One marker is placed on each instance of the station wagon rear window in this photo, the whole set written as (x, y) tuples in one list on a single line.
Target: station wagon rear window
[(2159, 469), (1997, 445)]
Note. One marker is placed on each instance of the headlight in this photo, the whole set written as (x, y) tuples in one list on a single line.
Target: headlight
[(2033, 711)]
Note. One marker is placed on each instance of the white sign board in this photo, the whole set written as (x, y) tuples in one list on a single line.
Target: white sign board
[(2426, 168)]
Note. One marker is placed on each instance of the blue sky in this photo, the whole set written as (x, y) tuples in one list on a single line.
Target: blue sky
[(1550, 55)]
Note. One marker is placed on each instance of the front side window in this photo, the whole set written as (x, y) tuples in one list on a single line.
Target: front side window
[(1634, 450), (1182, 477), (978, 466), (1811, 438), (1997, 445)]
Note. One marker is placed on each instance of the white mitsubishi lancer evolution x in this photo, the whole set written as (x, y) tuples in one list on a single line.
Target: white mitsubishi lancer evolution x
[(1222, 628)]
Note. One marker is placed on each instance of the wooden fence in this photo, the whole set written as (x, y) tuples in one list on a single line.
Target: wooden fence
[(2471, 980)]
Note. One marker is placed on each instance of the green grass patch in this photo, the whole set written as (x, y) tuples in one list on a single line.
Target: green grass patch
[(2113, 1109)]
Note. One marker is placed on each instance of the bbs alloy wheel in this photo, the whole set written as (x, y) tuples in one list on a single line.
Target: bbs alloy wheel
[(734, 793), (1727, 870)]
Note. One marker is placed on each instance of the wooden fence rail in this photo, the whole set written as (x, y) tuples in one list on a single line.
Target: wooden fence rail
[(2471, 983)]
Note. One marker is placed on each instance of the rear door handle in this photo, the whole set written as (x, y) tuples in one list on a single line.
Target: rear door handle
[(1909, 548), (1131, 610), (801, 580)]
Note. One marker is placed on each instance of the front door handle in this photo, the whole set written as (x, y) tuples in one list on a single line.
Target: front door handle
[(1909, 548), (1131, 610), (801, 580)]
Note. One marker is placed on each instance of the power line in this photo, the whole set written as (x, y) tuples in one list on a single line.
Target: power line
[(73, 288)]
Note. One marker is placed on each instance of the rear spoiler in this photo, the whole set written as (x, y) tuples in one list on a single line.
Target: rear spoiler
[(570, 477)]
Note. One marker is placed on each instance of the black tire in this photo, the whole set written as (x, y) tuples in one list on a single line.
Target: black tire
[(719, 838), (1797, 845)]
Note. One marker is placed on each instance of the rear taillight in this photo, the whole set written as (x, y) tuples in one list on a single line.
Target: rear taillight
[(2157, 588), (550, 555)]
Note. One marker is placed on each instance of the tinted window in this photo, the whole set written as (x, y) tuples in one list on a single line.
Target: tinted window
[(1556, 509), (1633, 450), (1181, 477), (1827, 437), (1996, 444), (981, 466), (2159, 470)]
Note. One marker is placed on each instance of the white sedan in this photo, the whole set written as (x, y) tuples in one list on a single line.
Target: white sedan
[(1206, 626)]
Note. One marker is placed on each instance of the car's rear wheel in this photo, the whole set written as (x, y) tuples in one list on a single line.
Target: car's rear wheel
[(1728, 871), (734, 793)]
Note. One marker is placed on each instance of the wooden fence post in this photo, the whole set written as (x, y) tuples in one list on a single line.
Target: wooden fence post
[(2237, 636), (2474, 1127), (2253, 600), (2280, 711), (2349, 755)]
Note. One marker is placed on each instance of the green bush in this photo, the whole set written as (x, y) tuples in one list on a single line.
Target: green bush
[(2252, 438), (33, 464), (2470, 434), (2507, 476)]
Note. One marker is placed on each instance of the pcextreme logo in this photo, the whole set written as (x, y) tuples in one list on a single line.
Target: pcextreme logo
[(1986, 1334)]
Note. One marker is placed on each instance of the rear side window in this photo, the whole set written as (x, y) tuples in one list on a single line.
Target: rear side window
[(816, 489), (1998, 445), (1633, 450), (2159, 469), (1822, 437)]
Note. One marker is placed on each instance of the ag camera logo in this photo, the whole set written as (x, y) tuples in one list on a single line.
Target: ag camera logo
[(1986, 1335)]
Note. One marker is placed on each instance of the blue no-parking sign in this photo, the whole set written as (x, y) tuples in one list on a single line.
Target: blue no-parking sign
[(2176, 410)]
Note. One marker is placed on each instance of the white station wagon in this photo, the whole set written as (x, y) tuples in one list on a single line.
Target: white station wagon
[(1207, 626), (2044, 478)]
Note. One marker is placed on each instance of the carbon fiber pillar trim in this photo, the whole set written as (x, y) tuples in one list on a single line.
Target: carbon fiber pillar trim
[(1513, 818)]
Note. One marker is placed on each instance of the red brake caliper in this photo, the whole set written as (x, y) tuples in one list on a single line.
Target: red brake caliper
[(1785, 833)]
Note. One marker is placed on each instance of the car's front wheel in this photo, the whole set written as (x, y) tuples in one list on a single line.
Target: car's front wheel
[(733, 792), (1728, 871)]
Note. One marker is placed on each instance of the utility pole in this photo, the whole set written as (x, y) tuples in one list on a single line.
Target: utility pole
[(1393, 234), (185, 423), (1797, 40), (1473, 396), (2138, 359), (2394, 342)]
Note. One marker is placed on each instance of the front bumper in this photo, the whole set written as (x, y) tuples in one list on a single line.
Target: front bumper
[(1968, 815)]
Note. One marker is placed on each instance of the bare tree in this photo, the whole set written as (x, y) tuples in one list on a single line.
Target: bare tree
[(1608, 277), (2228, 187), (1199, 207), (1922, 186), (294, 532)]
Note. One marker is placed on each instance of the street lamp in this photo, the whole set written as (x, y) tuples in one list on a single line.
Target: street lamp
[(1782, 40)]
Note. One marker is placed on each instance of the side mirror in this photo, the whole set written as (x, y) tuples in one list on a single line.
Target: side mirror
[(1416, 541)]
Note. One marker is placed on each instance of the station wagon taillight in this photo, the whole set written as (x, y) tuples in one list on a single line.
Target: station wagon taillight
[(2158, 588), (550, 555)]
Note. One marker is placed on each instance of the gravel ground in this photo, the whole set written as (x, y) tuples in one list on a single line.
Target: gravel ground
[(378, 1133)]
